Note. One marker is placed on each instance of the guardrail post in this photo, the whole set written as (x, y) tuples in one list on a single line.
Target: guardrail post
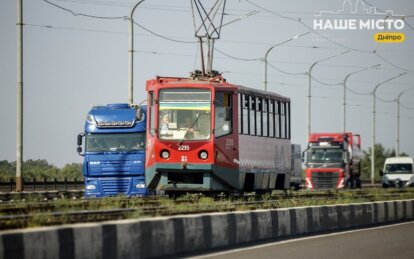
[(34, 184), (44, 183), (54, 183), (65, 182), (75, 182)]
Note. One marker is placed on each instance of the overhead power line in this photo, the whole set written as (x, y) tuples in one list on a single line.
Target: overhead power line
[(299, 20), (85, 15), (117, 17), (285, 72), (236, 58), (161, 36)]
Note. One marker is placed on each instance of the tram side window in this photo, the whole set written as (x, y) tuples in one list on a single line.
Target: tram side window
[(240, 113), (259, 116), (288, 128), (283, 120), (252, 113), (245, 103), (271, 119), (277, 119), (265, 117), (152, 113), (223, 114)]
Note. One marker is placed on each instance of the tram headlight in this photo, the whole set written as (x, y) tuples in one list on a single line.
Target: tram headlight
[(203, 154), (165, 154)]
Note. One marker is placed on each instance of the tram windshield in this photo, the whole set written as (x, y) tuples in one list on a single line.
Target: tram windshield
[(184, 114)]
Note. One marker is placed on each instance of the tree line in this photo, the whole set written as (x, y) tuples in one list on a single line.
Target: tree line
[(381, 154), (40, 169)]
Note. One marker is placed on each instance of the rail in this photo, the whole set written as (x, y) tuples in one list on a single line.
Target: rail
[(41, 213)]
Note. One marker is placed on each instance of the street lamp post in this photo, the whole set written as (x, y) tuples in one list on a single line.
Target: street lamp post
[(19, 112), (267, 53), (344, 93), (397, 149), (131, 54), (373, 123), (310, 87)]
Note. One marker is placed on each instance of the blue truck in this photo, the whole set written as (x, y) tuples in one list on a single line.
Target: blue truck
[(114, 150)]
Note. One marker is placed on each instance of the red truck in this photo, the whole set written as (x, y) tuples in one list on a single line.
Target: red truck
[(333, 161)]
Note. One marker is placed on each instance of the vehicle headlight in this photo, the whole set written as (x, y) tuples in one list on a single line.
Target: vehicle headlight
[(90, 119), (165, 154), (203, 154), (90, 187), (140, 186)]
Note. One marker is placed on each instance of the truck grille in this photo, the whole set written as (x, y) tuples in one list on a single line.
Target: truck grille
[(115, 167), (325, 180), (115, 186)]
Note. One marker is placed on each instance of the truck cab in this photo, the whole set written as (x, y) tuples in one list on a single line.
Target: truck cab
[(332, 161), (397, 171), (114, 151)]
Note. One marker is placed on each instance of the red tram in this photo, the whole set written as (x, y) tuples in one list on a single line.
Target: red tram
[(207, 135)]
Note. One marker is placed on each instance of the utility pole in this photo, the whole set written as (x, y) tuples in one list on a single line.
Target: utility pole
[(397, 149), (309, 120), (19, 114), (344, 94), (267, 53), (131, 55), (373, 123)]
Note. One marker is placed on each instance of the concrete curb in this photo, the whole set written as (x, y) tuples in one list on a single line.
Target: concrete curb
[(144, 238)]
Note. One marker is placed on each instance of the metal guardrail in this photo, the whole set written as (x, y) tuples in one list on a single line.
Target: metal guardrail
[(42, 195), (43, 185)]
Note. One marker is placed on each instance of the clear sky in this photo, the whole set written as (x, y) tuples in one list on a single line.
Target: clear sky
[(72, 62)]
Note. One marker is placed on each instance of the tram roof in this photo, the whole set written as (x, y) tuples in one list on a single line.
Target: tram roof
[(217, 82)]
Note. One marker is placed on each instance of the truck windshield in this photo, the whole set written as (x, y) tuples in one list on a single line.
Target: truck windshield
[(321, 155), (399, 169), (115, 142), (184, 114)]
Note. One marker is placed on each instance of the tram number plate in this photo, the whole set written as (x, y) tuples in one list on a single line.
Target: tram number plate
[(183, 147)]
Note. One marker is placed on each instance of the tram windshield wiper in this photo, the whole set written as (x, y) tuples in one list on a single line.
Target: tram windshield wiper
[(188, 130)]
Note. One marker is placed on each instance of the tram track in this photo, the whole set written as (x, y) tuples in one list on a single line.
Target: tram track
[(55, 212)]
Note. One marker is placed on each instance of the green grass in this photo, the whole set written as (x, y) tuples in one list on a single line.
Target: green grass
[(193, 203)]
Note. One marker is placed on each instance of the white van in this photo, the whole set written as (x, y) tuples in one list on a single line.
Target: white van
[(397, 172)]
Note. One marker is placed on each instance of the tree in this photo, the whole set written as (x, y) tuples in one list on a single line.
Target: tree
[(71, 171), (380, 155), (7, 170), (40, 169)]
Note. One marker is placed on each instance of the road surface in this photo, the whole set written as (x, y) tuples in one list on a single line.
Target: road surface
[(391, 241)]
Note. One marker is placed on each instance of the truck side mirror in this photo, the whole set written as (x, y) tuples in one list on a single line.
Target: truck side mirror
[(79, 142), (381, 173), (79, 150), (228, 114)]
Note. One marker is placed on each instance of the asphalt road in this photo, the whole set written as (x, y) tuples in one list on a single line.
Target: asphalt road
[(392, 241)]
